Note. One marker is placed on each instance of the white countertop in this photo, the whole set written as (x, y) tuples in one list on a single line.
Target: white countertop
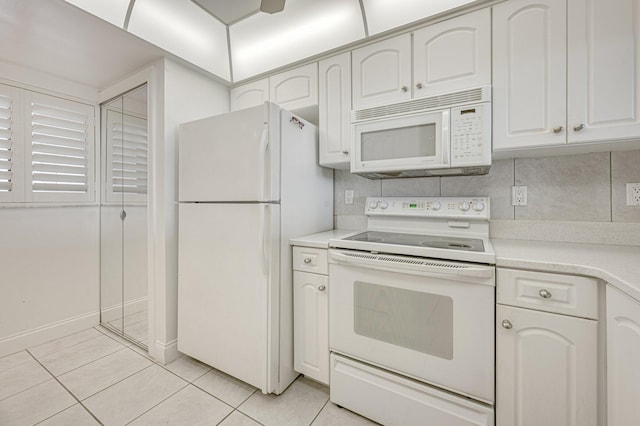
[(616, 265), (321, 239)]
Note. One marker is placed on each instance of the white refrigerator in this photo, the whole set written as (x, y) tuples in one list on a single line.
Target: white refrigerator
[(248, 181)]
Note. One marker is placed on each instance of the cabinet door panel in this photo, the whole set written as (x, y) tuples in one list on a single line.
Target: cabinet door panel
[(623, 353), (604, 81), (295, 89), (250, 95), (311, 325), (382, 72), (529, 73), (335, 110), (453, 55), (546, 368)]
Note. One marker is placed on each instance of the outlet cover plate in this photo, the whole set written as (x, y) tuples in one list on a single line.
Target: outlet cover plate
[(519, 195), (633, 194)]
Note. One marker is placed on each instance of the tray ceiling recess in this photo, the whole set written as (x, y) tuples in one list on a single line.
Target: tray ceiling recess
[(235, 41)]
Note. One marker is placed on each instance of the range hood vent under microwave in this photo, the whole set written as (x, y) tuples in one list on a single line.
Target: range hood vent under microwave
[(478, 94)]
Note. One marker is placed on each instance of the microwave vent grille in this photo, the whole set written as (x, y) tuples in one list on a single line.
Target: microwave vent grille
[(479, 94)]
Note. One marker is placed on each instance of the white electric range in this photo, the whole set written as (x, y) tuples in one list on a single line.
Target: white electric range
[(412, 313)]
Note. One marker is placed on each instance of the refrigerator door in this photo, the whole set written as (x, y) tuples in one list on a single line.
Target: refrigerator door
[(228, 289), (231, 157)]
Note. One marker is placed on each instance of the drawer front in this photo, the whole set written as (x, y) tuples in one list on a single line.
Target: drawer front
[(557, 293), (308, 259)]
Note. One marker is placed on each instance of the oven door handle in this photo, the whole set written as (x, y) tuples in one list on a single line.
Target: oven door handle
[(411, 265)]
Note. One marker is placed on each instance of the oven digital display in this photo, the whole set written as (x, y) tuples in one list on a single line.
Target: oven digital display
[(408, 205)]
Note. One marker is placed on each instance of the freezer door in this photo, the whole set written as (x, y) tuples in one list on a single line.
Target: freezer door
[(228, 289), (231, 157)]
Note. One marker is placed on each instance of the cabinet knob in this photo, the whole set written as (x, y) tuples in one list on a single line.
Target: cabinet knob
[(345, 152), (545, 294), (507, 324), (322, 288), (419, 86), (558, 129), (578, 127), (404, 88), (307, 260)]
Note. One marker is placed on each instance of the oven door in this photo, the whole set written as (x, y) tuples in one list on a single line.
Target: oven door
[(429, 320), (413, 142)]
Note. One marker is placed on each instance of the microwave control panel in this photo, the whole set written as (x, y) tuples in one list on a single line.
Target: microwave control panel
[(471, 135)]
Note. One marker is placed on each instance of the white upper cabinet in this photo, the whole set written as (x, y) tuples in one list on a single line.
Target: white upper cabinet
[(452, 55), (334, 106), (250, 94), (549, 92), (604, 80), (623, 353), (529, 73), (295, 89), (382, 72)]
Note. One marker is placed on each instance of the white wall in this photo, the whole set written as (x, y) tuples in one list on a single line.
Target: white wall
[(49, 274), (188, 95)]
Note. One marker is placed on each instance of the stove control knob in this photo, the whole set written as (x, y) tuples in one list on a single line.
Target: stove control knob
[(479, 206), (384, 204), (464, 206), (373, 204), (436, 205)]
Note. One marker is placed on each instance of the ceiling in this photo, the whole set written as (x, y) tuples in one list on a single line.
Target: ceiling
[(96, 42)]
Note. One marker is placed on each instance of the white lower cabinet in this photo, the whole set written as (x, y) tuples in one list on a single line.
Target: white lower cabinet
[(546, 349), (311, 324), (623, 359)]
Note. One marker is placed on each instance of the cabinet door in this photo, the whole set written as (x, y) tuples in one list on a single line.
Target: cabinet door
[(546, 367), (529, 73), (382, 72), (250, 95), (452, 55), (604, 80), (623, 354), (335, 110), (295, 89), (311, 325)]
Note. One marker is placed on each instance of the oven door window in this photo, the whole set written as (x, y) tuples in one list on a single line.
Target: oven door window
[(415, 320)]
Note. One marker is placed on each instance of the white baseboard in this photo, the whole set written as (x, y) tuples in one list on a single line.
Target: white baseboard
[(114, 312), (36, 336), (165, 353)]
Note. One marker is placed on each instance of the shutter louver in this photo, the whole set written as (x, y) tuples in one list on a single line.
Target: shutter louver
[(6, 169), (61, 149), (130, 156)]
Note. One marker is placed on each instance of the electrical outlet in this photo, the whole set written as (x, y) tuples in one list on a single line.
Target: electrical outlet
[(633, 194), (519, 195), (348, 196)]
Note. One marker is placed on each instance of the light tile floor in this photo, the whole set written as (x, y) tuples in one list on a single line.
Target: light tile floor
[(94, 377)]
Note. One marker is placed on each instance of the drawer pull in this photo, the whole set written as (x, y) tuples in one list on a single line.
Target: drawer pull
[(322, 288), (545, 294), (307, 260), (507, 324)]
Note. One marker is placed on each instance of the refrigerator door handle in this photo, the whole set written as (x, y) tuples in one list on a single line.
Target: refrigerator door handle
[(264, 219), (264, 147)]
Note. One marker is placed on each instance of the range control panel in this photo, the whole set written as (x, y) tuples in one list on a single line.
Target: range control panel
[(436, 207)]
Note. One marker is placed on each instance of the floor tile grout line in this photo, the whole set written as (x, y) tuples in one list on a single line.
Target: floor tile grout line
[(68, 391), (108, 333), (30, 387), (90, 362), (320, 411), (151, 408), (66, 347)]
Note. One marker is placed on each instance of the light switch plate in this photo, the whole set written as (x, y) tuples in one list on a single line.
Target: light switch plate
[(348, 196)]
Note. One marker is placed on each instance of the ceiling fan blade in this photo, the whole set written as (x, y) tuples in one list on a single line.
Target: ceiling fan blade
[(272, 6)]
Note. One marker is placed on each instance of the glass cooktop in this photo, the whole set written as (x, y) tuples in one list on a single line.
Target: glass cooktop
[(416, 240)]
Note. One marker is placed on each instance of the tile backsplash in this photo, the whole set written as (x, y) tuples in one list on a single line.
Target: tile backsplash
[(566, 194)]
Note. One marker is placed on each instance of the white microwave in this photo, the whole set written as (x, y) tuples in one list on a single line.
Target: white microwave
[(443, 135)]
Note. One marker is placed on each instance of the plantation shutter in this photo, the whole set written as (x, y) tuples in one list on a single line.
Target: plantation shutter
[(60, 142), (11, 183), (127, 157)]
